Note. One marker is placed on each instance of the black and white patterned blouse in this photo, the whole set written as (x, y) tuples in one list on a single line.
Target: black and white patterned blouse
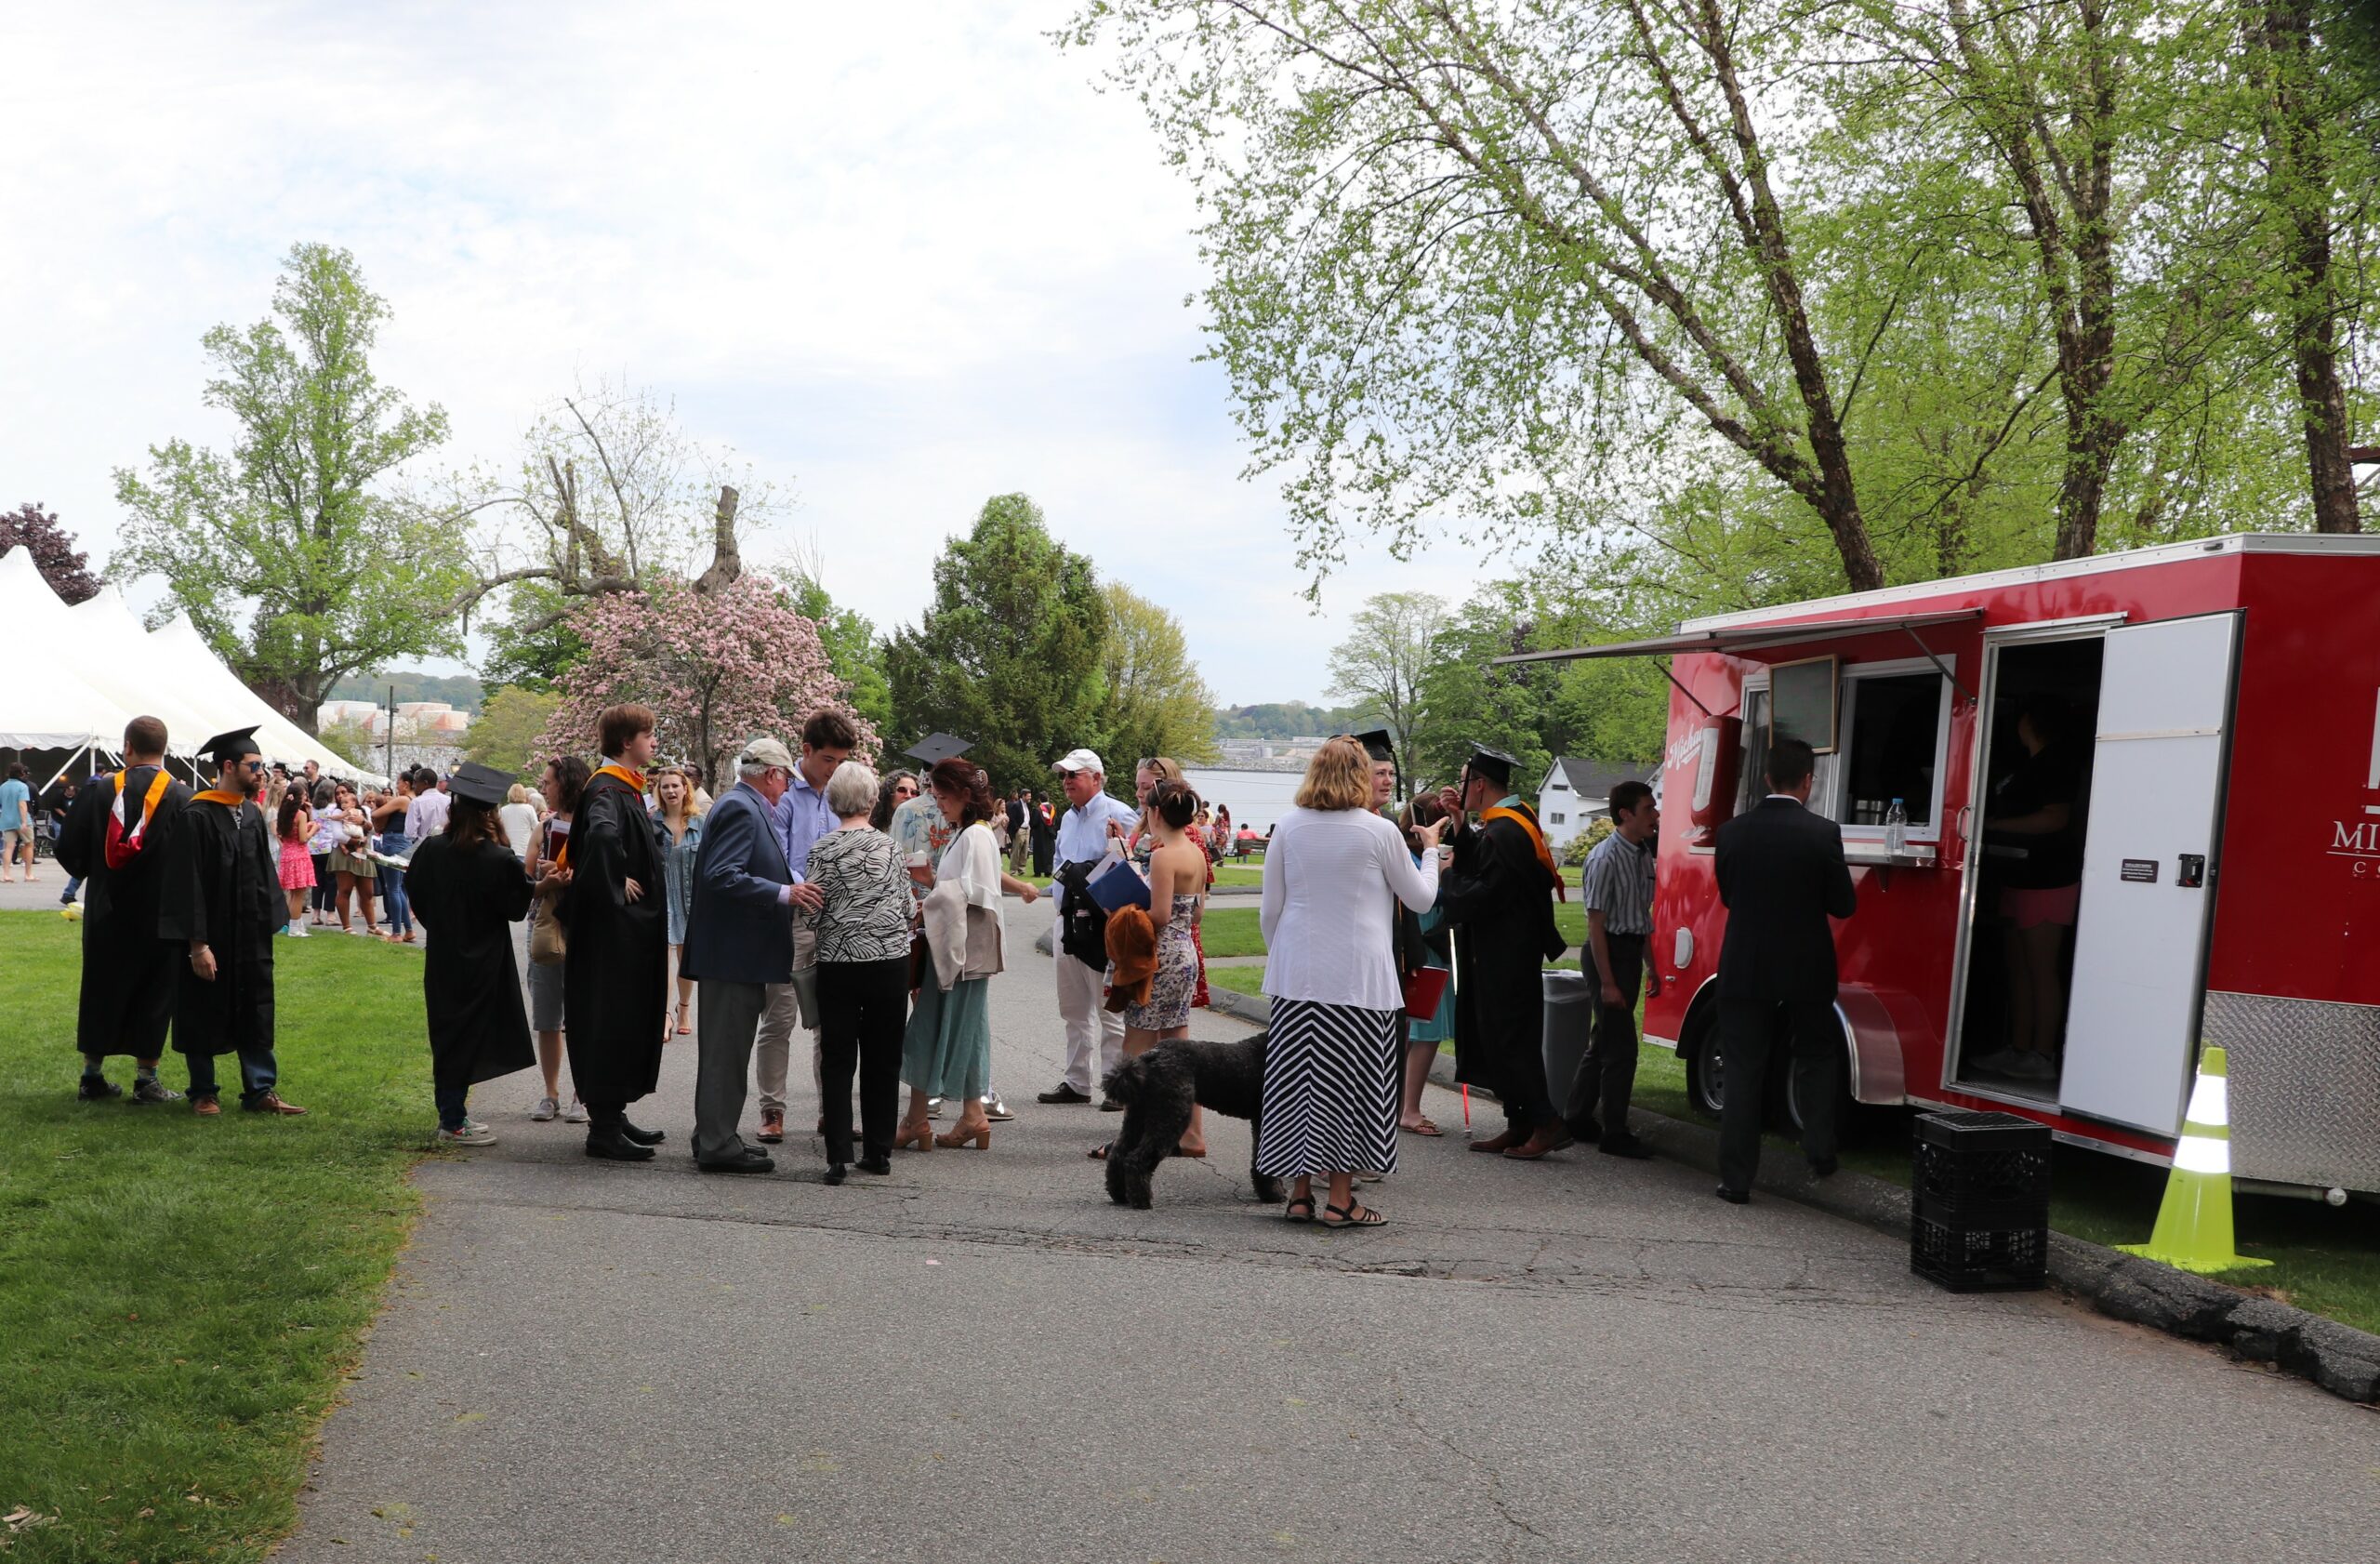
[(867, 915)]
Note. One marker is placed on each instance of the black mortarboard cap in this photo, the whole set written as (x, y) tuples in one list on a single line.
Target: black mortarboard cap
[(1379, 745), (937, 747), (225, 747), (481, 784), (1493, 764)]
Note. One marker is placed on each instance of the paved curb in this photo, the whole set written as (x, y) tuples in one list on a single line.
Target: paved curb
[(2340, 1359)]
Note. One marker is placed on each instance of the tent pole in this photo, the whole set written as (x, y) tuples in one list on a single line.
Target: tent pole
[(62, 770)]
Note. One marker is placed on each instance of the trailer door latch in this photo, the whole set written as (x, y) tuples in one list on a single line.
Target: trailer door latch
[(2193, 871)]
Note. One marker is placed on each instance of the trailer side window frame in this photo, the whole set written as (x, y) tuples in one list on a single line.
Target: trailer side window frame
[(1857, 725)]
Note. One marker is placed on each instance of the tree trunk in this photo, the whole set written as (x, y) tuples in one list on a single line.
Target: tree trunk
[(2301, 183)]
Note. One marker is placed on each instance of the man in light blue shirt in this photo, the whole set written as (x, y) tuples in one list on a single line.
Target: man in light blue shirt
[(799, 818), (1084, 834)]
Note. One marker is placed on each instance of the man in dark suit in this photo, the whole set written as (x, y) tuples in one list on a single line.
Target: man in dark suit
[(739, 940), (1781, 875)]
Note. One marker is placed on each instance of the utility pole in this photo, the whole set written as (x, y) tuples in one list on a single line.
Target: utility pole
[(389, 738)]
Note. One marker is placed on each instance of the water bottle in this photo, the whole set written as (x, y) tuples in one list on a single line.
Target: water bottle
[(1896, 831)]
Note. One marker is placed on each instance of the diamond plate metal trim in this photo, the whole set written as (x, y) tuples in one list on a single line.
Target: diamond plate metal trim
[(2304, 1088)]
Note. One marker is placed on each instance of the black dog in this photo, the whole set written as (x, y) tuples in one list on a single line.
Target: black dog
[(1158, 1089)]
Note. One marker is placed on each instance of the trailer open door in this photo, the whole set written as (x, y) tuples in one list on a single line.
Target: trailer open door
[(2148, 869)]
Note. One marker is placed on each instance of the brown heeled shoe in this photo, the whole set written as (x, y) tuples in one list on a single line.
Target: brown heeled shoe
[(920, 1135), (981, 1135)]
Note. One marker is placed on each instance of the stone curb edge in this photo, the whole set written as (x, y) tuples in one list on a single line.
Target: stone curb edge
[(2339, 1358)]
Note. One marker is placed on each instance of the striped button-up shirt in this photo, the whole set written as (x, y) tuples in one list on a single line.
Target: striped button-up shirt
[(1619, 883)]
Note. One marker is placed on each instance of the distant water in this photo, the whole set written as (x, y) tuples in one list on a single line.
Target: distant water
[(1257, 798)]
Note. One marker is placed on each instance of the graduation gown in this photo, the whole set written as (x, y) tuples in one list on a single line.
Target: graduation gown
[(222, 887), (1499, 902), (468, 898), (616, 970), (129, 974)]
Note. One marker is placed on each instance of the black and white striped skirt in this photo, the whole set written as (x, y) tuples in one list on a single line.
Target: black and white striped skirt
[(1331, 1089)]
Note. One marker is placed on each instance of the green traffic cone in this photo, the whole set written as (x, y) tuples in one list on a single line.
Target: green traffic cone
[(2193, 1230)]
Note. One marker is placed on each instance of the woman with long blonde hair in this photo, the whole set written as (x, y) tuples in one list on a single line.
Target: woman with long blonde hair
[(680, 826), (1332, 876)]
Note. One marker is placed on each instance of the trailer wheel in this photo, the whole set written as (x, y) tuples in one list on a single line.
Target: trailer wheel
[(1705, 1086)]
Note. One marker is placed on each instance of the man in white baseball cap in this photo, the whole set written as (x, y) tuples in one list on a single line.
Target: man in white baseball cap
[(1084, 832)]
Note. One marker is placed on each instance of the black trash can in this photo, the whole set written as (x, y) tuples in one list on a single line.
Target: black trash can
[(1979, 1201)]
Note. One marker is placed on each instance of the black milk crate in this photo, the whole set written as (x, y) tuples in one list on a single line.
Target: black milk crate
[(1978, 1259), (1980, 1200), (1969, 1160)]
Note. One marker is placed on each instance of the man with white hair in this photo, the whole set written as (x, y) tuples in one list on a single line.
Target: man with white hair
[(739, 942), (1093, 1031)]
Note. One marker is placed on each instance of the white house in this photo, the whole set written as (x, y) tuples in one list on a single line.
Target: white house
[(1576, 791)]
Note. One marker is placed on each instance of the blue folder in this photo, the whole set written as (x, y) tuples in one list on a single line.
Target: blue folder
[(1119, 888)]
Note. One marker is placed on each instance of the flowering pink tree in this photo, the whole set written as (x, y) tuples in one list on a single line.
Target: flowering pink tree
[(716, 667)]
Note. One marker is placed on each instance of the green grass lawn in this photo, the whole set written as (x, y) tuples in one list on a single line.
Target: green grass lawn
[(179, 1297), (1243, 980), (1249, 873), (1230, 931)]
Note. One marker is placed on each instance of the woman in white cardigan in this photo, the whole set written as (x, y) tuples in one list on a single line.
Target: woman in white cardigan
[(1332, 877), (946, 1050)]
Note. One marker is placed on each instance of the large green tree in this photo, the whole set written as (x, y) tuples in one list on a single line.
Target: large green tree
[(1007, 653), (285, 552), (853, 649), (1155, 703), (505, 735), (1604, 710), (1380, 666), (1736, 301)]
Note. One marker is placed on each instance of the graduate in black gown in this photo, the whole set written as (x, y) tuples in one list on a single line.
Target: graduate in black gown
[(221, 905), (615, 972), (468, 890), (1498, 895), (129, 976)]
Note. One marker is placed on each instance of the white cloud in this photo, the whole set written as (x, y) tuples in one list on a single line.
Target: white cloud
[(899, 258)]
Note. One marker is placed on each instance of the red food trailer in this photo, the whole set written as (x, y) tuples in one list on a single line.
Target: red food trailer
[(2210, 715)]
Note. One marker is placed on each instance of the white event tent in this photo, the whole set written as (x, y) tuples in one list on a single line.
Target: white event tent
[(105, 667)]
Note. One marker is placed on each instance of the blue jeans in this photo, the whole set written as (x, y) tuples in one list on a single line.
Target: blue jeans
[(449, 1100), (392, 883), (258, 1074)]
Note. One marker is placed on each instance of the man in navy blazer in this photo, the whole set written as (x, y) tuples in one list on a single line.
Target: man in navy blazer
[(1782, 874), (739, 940)]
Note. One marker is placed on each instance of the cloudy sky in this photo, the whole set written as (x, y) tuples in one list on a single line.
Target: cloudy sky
[(899, 258)]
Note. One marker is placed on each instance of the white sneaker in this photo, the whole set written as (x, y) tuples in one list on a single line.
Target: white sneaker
[(469, 1134), (546, 1111), (576, 1113), (296, 931), (2034, 1066)]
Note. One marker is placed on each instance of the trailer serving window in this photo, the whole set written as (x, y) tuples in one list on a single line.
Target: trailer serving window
[(1893, 740)]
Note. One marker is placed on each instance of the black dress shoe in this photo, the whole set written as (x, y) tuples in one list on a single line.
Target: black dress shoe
[(1733, 1197), (836, 1173), (1633, 1150), (1064, 1094), (877, 1163), (1827, 1168), (642, 1137), (617, 1148), (750, 1162)]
